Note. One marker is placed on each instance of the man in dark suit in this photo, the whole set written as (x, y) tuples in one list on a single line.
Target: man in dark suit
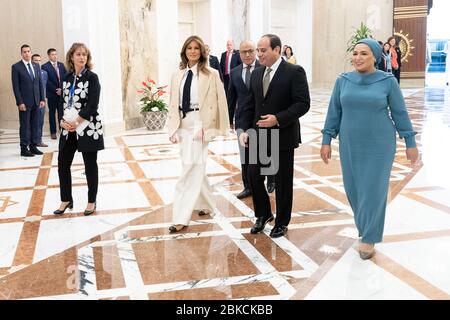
[(238, 91), (230, 59), (279, 97), (213, 62), (29, 93), (56, 74), (36, 58)]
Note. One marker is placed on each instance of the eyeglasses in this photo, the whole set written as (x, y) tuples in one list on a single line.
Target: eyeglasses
[(245, 52)]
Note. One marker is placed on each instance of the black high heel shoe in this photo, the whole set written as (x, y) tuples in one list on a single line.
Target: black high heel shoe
[(69, 206), (89, 212)]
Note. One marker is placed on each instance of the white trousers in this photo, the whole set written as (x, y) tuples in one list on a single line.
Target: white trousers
[(193, 191)]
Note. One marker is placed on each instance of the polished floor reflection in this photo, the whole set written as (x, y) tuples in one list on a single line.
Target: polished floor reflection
[(126, 252)]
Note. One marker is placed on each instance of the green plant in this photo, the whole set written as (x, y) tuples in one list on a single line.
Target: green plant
[(362, 32), (151, 100)]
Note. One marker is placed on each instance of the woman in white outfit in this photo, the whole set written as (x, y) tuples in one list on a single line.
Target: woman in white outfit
[(198, 112)]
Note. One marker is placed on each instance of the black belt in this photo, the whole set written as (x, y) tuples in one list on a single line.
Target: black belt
[(190, 110)]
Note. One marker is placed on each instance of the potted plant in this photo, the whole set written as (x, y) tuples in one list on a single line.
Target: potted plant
[(362, 32), (153, 108)]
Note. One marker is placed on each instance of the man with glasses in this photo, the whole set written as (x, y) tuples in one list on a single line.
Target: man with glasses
[(238, 91)]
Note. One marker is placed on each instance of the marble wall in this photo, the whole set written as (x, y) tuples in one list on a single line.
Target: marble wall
[(139, 55), (240, 21), (36, 23), (332, 27)]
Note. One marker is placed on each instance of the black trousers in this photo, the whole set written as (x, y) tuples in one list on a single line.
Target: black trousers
[(284, 182), (397, 74), (244, 156), (29, 127), (54, 105), (65, 159), (226, 83)]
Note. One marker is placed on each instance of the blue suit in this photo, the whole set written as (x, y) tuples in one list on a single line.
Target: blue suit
[(44, 79), (29, 91), (54, 101)]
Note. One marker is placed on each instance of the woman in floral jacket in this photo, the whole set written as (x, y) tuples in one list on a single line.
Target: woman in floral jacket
[(81, 126)]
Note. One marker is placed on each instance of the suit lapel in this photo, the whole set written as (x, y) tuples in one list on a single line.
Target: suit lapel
[(276, 76), (239, 75), (28, 73), (203, 86), (177, 87)]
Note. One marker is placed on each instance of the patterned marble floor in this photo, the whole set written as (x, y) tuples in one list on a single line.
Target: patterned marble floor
[(126, 252)]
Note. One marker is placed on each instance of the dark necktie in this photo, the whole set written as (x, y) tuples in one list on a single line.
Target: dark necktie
[(248, 75), (186, 104), (30, 72)]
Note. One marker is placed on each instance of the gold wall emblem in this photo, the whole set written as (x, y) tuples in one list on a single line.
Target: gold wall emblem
[(405, 45)]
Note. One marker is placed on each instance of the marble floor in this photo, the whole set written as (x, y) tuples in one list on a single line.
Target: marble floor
[(125, 251)]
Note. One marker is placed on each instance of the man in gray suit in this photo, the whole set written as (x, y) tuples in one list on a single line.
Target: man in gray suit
[(30, 97)]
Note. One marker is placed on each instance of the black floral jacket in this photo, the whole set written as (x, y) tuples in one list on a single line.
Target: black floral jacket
[(86, 99)]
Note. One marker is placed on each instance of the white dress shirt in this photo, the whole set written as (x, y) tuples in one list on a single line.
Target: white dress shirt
[(244, 69), (274, 68), (194, 87), (31, 65)]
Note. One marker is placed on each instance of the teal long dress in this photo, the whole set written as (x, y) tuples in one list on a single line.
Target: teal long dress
[(365, 111)]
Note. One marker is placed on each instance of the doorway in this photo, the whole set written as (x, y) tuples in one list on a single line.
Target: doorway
[(438, 45)]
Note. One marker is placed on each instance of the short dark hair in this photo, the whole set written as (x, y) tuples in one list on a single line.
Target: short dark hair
[(51, 50), (24, 46), (35, 55), (275, 41)]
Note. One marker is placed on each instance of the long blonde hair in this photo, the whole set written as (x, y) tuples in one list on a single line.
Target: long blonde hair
[(69, 63), (203, 61)]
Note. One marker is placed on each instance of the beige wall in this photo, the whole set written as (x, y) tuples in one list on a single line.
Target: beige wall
[(36, 23), (332, 27)]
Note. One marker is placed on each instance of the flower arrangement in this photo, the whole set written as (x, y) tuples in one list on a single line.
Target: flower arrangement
[(151, 100)]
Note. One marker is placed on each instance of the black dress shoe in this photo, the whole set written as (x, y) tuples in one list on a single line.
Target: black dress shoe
[(278, 231), (244, 194), (260, 224), (69, 206), (89, 212), (271, 187), (36, 151), (26, 153), (176, 228), (204, 212)]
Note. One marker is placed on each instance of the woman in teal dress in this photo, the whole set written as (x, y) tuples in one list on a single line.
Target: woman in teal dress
[(366, 109)]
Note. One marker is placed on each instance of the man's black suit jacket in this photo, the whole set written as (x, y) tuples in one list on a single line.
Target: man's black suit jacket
[(237, 94), (235, 61), (53, 82), (287, 98), (214, 63)]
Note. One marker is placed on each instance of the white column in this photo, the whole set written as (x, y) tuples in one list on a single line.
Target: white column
[(167, 43), (256, 13), (96, 23), (304, 52), (220, 26)]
